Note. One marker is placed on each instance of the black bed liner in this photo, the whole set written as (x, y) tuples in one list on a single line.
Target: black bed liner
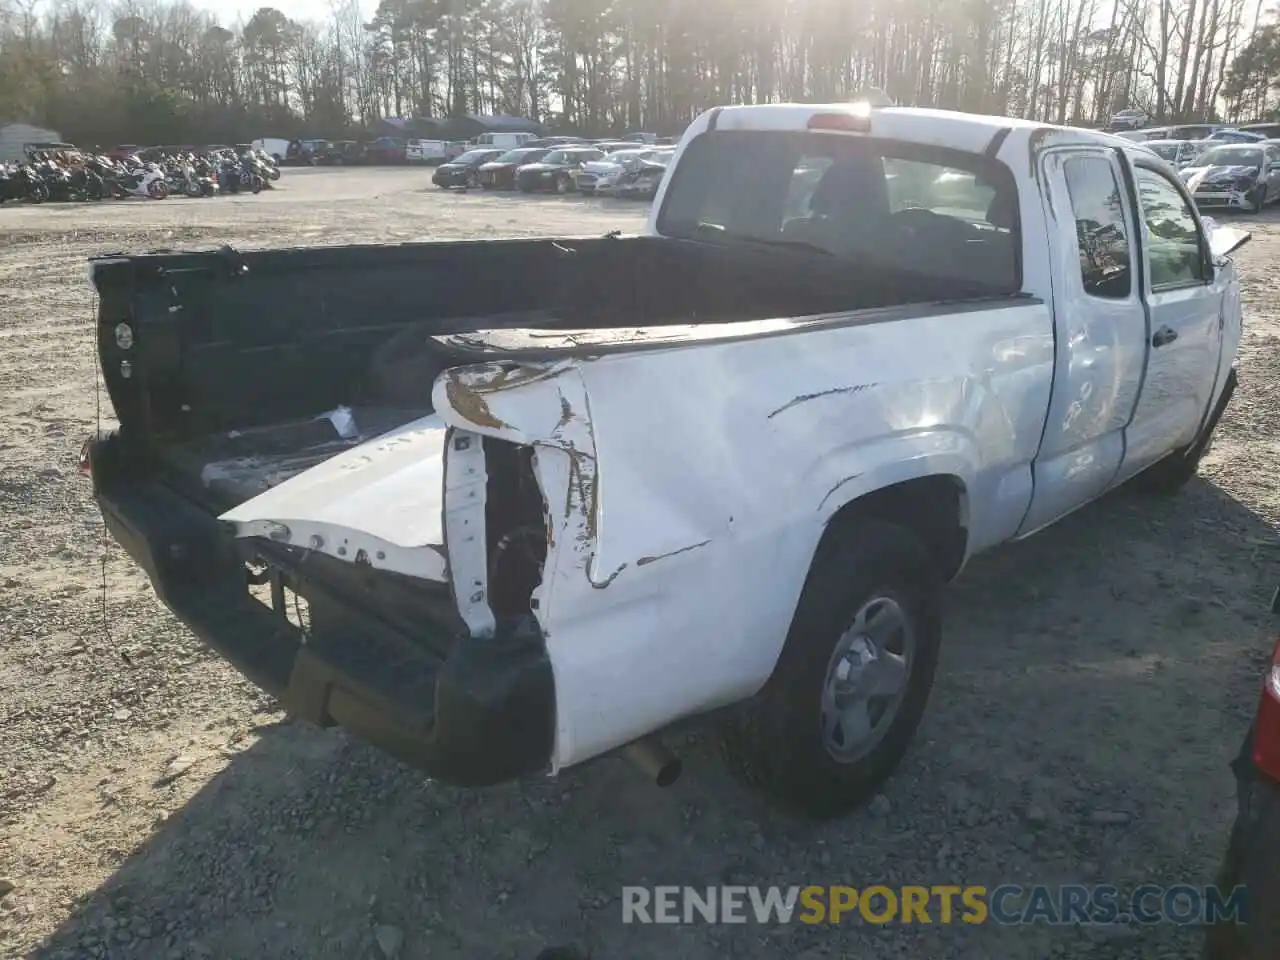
[(226, 469)]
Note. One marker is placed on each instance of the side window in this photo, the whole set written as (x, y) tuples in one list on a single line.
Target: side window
[(1172, 235), (1103, 240)]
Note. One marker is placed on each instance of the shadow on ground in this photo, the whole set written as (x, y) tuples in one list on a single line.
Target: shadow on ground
[(1063, 655)]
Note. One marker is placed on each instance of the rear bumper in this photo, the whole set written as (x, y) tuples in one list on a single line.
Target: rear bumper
[(481, 713)]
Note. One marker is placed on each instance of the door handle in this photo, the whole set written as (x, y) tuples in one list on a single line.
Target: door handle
[(1163, 335)]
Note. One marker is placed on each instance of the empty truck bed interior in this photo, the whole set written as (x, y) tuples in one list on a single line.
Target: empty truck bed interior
[(232, 355)]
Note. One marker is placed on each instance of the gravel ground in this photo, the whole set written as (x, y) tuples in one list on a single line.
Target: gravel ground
[(1095, 681)]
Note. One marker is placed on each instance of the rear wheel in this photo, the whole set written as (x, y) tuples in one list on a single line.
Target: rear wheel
[(850, 687), (158, 190), (563, 184)]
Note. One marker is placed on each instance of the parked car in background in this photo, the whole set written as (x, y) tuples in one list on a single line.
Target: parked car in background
[(341, 153), (1228, 135), (1139, 136), (385, 151), (309, 151), (642, 181), (555, 172), (1242, 176), (1132, 118), (500, 174), (602, 175), (425, 151), (1268, 130), (508, 140), (1252, 857), (461, 172), (1178, 152), (1194, 131), (296, 155)]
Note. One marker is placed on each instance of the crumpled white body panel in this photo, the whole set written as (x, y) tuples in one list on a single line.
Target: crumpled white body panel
[(382, 497)]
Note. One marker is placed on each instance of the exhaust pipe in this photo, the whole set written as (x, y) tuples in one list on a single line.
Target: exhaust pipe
[(654, 760)]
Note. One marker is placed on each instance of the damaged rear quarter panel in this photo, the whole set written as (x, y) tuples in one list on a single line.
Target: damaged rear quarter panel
[(687, 488)]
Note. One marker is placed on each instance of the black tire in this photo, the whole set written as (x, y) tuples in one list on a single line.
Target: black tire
[(776, 744), (1258, 199)]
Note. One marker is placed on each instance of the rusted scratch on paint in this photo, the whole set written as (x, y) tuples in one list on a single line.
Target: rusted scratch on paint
[(662, 556), (470, 404), (609, 579), (806, 397), (837, 487)]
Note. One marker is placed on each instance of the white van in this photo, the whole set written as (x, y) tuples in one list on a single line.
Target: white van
[(508, 141), (274, 147), (426, 151)]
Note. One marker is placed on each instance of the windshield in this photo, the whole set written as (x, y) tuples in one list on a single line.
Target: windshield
[(877, 203), (558, 156), (1233, 156), (474, 156), (1168, 151)]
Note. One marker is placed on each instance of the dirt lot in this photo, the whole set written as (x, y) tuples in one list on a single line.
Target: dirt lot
[(1095, 682)]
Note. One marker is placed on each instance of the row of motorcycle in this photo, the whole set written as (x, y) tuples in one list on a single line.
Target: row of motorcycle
[(78, 177)]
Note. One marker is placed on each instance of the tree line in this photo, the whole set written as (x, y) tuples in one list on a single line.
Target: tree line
[(149, 71)]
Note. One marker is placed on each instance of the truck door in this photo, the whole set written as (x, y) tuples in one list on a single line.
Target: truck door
[(1100, 328), (1184, 325)]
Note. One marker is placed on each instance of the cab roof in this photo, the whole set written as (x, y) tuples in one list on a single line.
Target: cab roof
[(970, 132)]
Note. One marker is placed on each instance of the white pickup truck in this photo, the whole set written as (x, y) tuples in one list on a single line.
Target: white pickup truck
[(721, 471)]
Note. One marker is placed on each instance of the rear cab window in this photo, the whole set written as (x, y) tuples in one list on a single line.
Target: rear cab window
[(878, 203)]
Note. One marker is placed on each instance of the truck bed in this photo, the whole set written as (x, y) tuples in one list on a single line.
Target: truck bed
[(235, 355), (226, 469)]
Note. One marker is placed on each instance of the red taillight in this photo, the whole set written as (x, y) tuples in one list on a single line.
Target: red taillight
[(857, 119), (1266, 735)]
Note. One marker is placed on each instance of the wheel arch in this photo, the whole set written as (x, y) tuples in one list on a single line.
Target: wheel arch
[(933, 508)]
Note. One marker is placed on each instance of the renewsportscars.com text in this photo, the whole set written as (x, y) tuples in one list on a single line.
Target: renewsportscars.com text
[(1006, 904)]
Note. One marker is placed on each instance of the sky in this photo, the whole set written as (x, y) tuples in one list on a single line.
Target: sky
[(293, 9)]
